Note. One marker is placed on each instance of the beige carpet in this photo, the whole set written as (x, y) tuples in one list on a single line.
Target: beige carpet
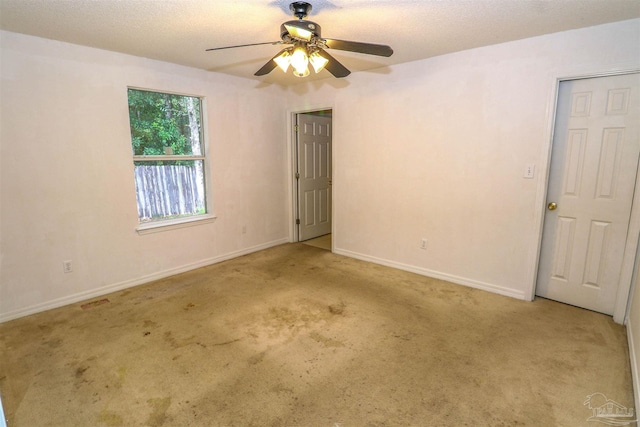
[(298, 336)]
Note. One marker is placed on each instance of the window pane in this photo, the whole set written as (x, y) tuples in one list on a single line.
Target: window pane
[(164, 124), (169, 189)]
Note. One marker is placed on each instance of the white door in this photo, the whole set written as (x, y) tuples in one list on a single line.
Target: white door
[(314, 175), (594, 162)]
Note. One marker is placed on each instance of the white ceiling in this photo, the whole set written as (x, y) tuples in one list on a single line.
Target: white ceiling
[(179, 31)]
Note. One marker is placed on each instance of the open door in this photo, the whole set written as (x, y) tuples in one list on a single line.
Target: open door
[(313, 174)]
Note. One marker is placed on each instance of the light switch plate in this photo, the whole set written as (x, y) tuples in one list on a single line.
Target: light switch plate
[(530, 170)]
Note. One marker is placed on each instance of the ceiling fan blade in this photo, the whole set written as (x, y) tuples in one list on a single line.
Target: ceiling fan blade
[(243, 45), (333, 66), (368, 48), (269, 66)]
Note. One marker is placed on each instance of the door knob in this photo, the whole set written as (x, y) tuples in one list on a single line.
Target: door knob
[(552, 206)]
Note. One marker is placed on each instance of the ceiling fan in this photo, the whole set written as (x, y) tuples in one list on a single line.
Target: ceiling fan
[(308, 47)]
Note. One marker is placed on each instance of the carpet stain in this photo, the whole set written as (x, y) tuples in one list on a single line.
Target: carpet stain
[(174, 343), (299, 316), (149, 324), (110, 418), (337, 308), (94, 304), (122, 373), (80, 371), (159, 407), (226, 342), (403, 337), (326, 341), (281, 389), (45, 328), (257, 358), (54, 343)]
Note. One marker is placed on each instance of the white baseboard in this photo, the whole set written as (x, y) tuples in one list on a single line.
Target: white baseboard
[(115, 287), (514, 293), (634, 366)]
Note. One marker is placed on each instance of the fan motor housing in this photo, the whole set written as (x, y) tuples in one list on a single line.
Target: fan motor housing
[(302, 24), (300, 9)]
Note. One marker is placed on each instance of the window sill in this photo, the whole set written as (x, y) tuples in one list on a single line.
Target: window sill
[(173, 224)]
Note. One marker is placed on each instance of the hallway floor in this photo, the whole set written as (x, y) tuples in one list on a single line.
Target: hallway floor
[(322, 242)]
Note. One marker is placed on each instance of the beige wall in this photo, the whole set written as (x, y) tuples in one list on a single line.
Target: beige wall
[(67, 185), (437, 149), (432, 149)]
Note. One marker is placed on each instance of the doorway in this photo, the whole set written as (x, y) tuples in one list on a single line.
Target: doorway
[(313, 172), (586, 242)]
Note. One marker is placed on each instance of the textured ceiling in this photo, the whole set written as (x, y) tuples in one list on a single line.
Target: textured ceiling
[(179, 31)]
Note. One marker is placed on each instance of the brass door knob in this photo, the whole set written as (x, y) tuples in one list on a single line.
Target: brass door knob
[(552, 206)]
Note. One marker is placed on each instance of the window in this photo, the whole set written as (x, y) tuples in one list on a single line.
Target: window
[(168, 157)]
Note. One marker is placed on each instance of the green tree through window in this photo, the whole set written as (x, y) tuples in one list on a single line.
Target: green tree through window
[(168, 154)]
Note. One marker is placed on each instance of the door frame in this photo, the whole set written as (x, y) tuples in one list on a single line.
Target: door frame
[(633, 233), (291, 173)]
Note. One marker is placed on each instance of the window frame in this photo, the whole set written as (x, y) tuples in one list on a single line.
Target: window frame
[(186, 221)]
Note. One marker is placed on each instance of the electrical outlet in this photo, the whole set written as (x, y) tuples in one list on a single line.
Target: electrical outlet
[(244, 229), (423, 244), (67, 266)]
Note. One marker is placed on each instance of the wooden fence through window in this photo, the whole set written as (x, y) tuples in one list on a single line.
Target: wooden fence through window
[(167, 191)]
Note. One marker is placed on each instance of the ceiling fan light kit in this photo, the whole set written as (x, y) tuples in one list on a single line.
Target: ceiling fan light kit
[(300, 62), (308, 47)]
